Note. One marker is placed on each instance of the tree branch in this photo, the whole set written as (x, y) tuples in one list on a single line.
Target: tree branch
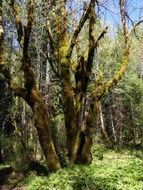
[(104, 31), (18, 23), (134, 27), (23, 39), (28, 28), (125, 62), (86, 53), (53, 68), (91, 51), (102, 87), (83, 19), (50, 38)]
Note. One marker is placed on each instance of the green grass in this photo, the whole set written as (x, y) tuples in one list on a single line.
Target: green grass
[(117, 171)]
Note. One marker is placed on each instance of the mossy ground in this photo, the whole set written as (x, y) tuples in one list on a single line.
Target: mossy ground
[(111, 171)]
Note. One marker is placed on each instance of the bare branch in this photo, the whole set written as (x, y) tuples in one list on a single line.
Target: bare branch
[(23, 32), (28, 28), (91, 39), (135, 26), (123, 18), (50, 37), (53, 67), (18, 23), (51, 41), (104, 31), (83, 19)]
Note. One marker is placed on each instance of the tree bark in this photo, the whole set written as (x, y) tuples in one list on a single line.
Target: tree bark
[(69, 109), (45, 139), (84, 155), (113, 127), (103, 129)]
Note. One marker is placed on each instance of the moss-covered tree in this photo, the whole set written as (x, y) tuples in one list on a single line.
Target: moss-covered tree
[(80, 114)]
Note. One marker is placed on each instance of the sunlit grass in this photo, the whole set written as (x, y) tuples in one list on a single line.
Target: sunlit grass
[(116, 171)]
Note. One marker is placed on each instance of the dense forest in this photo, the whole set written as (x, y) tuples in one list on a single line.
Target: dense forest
[(71, 94)]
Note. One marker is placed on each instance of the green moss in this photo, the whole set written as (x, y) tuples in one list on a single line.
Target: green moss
[(63, 52)]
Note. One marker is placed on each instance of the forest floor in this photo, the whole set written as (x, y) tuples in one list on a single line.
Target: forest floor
[(110, 170)]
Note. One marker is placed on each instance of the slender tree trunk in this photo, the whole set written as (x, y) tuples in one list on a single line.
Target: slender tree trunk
[(121, 136), (103, 129), (113, 127)]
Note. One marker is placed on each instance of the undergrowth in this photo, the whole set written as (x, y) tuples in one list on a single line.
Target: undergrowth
[(116, 171), (111, 171)]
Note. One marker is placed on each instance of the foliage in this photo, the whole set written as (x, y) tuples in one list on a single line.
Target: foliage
[(117, 171), (124, 104)]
